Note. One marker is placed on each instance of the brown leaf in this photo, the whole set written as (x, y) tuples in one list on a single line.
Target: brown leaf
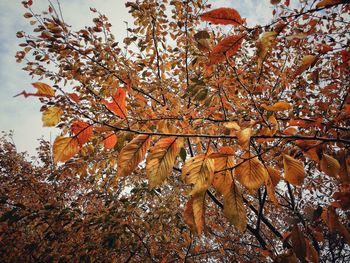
[(65, 148), (293, 170)]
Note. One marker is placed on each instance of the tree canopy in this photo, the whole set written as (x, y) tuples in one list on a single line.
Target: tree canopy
[(199, 138)]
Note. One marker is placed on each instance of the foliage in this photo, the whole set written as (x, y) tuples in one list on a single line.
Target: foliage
[(253, 121)]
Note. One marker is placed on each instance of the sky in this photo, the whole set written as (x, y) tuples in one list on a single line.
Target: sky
[(22, 115)]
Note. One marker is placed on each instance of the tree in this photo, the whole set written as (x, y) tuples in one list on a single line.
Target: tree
[(244, 130)]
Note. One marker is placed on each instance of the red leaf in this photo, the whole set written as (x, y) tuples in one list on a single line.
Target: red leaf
[(110, 140), (74, 97), (225, 48), (82, 130), (223, 16), (117, 105)]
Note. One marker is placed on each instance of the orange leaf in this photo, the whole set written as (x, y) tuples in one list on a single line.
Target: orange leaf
[(117, 105), (325, 3), (225, 48), (65, 148), (161, 159), (223, 16), (44, 90), (82, 130), (251, 173), (278, 106), (264, 44), (110, 140), (194, 213), (293, 170), (74, 97), (132, 154), (244, 138), (306, 62), (329, 165)]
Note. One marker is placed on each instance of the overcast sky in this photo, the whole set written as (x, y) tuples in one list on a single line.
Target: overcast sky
[(23, 115)]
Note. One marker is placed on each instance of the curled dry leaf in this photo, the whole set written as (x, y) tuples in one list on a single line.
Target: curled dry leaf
[(51, 116), (306, 62), (194, 213), (44, 90), (263, 46), (294, 171)]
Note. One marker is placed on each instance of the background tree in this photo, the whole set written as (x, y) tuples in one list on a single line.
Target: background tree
[(250, 124)]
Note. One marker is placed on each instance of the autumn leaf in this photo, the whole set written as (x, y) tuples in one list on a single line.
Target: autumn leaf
[(293, 170), (110, 140), (232, 125), (298, 243), (82, 131), (65, 148), (117, 105), (244, 138), (203, 41), (132, 154), (329, 165), (326, 3), (278, 106), (199, 171), (223, 16), (225, 48), (161, 159), (44, 90), (51, 116), (306, 62), (263, 46), (251, 173), (234, 209), (194, 213)]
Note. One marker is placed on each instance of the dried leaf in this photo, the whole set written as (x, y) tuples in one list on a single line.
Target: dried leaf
[(110, 140), (306, 62), (194, 213), (44, 90), (264, 44), (199, 171), (326, 3), (298, 243), (244, 138)]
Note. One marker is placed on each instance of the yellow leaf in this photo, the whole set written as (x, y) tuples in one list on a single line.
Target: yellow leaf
[(232, 125), (234, 209), (264, 44), (51, 116), (306, 62), (223, 161), (65, 148), (293, 170), (329, 165), (278, 106), (251, 173), (194, 213), (199, 171), (132, 154), (244, 138), (161, 159)]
